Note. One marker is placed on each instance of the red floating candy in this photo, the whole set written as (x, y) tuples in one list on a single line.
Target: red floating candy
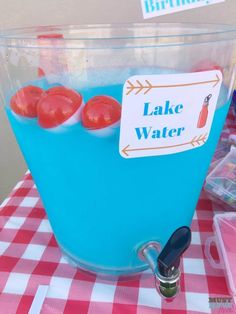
[(59, 106), (25, 101), (67, 92), (100, 112)]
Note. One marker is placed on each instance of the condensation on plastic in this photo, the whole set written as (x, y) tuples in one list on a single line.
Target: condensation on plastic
[(78, 53)]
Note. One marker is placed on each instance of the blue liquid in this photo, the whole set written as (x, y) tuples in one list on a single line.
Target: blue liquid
[(101, 206)]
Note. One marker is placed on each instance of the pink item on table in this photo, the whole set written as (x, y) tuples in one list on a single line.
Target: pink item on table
[(225, 235), (227, 226)]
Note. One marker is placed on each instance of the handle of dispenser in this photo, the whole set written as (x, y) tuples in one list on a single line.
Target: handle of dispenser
[(207, 251), (169, 258)]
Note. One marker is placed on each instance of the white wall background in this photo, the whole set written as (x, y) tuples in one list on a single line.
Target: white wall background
[(32, 12)]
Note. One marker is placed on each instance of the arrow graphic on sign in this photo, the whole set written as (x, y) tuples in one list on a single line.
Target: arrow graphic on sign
[(146, 87), (196, 141)]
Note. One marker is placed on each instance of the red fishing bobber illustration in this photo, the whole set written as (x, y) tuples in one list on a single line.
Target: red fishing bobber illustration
[(202, 120)]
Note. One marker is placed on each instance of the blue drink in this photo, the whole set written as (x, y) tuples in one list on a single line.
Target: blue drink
[(101, 206)]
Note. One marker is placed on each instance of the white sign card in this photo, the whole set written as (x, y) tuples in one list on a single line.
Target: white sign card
[(167, 114), (152, 8)]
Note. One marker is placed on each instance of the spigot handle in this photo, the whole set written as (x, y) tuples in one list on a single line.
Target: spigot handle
[(169, 258)]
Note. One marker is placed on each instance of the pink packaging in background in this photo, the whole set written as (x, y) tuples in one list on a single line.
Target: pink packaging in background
[(224, 239)]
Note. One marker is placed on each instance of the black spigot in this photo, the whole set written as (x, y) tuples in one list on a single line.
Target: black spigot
[(169, 259)]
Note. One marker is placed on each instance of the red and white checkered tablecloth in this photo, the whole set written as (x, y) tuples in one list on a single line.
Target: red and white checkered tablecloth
[(29, 257)]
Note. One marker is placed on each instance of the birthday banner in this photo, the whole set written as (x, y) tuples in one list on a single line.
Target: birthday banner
[(152, 8)]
